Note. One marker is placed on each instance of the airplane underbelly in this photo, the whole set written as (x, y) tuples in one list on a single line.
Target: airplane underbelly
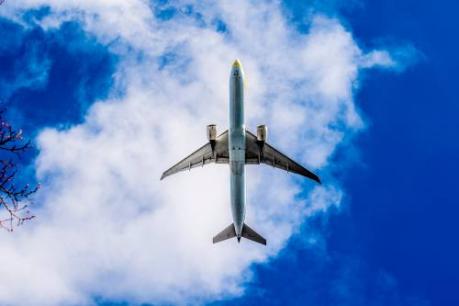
[(237, 180), (237, 148), (237, 185)]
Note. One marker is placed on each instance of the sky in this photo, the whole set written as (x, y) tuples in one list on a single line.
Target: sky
[(114, 92)]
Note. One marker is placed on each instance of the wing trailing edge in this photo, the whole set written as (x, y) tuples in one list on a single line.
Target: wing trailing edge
[(267, 154), (208, 153)]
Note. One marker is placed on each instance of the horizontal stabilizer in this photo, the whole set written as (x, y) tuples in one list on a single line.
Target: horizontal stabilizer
[(250, 234), (227, 233)]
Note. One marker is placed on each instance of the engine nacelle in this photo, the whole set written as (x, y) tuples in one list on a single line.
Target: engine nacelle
[(212, 136), (212, 132), (262, 133)]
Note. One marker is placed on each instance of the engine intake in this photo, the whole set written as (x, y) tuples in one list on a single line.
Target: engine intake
[(212, 132), (262, 133)]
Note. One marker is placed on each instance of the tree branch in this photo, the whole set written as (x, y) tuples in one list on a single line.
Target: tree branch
[(13, 197)]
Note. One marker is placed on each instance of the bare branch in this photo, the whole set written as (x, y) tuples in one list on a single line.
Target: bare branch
[(13, 198)]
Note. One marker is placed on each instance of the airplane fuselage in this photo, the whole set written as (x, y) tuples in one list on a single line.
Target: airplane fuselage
[(237, 146)]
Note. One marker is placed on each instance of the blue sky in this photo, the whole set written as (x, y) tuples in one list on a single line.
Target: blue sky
[(399, 219), (390, 241)]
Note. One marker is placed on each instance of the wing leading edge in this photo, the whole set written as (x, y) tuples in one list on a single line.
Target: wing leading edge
[(203, 156), (270, 156)]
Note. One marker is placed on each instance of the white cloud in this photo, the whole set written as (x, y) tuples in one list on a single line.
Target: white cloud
[(107, 226)]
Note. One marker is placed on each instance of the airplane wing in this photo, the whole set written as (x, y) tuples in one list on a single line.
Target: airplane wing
[(203, 156), (273, 157)]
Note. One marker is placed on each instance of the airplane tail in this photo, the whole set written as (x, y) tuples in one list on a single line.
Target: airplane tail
[(227, 233), (247, 232), (250, 234)]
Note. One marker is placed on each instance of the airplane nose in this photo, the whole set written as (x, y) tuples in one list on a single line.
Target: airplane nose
[(237, 64)]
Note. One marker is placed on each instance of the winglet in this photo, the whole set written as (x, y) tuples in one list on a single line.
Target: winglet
[(317, 179)]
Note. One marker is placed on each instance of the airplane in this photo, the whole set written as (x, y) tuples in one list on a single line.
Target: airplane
[(238, 147)]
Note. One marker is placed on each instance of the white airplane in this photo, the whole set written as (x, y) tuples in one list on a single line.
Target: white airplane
[(238, 147)]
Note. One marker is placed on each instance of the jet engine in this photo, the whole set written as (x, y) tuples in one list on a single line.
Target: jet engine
[(212, 136), (262, 133), (212, 132)]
